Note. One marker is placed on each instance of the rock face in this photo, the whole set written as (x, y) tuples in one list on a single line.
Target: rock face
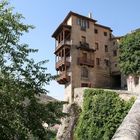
[(130, 127), (65, 131)]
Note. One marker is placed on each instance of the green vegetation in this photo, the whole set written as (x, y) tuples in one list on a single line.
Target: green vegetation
[(21, 79), (130, 53), (103, 111)]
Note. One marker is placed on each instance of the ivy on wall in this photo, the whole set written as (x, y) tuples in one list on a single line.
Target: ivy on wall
[(102, 113)]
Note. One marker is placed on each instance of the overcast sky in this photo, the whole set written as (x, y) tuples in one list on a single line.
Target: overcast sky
[(121, 15)]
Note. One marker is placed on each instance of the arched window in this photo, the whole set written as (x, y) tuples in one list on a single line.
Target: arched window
[(84, 72)]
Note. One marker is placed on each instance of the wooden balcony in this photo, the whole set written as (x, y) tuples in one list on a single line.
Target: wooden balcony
[(62, 63), (87, 62), (85, 46), (62, 44), (63, 78)]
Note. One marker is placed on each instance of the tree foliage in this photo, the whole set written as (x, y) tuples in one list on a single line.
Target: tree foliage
[(102, 113), (130, 53), (21, 79)]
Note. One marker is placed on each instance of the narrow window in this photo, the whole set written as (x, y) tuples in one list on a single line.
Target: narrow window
[(84, 72), (136, 80), (87, 24), (98, 61), (78, 21), (105, 33), (106, 48), (106, 62), (115, 53), (96, 46), (115, 65), (95, 31), (110, 35)]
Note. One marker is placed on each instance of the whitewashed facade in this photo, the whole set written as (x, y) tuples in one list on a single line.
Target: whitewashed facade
[(133, 84)]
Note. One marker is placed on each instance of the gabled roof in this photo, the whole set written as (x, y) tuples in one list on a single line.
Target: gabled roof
[(65, 20), (80, 16)]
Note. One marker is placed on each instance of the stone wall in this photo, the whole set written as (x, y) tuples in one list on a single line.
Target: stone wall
[(78, 95), (65, 131), (130, 127)]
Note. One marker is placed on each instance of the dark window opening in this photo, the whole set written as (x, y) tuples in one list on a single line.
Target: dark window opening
[(110, 35), (115, 65), (136, 80), (95, 31), (96, 46), (106, 48), (106, 62), (115, 53), (98, 61), (105, 33)]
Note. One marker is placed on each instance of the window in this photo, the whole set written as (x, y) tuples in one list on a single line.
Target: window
[(98, 61), (106, 48), (95, 31), (110, 35), (115, 53), (83, 23), (83, 39), (115, 65), (105, 33), (84, 72), (96, 46), (136, 80), (106, 62)]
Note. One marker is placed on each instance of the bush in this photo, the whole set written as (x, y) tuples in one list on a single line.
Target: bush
[(102, 113)]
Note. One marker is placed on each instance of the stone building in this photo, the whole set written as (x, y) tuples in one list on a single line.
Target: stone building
[(86, 55)]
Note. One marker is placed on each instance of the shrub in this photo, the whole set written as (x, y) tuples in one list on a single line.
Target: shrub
[(102, 113)]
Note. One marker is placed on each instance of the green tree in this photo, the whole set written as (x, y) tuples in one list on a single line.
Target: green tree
[(130, 53), (102, 113), (21, 79)]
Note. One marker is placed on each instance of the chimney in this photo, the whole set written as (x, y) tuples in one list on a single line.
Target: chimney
[(90, 15)]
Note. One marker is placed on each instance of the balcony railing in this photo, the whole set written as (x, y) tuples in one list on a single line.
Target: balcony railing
[(63, 78), (62, 62), (85, 46), (62, 43), (83, 61)]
